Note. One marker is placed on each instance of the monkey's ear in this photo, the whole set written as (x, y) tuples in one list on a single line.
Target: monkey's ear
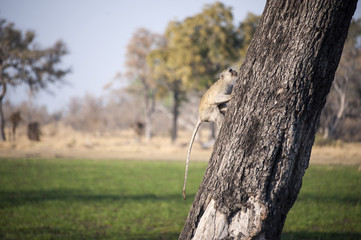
[(222, 76)]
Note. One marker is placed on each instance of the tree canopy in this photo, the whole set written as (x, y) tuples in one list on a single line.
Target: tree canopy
[(198, 48), (23, 61)]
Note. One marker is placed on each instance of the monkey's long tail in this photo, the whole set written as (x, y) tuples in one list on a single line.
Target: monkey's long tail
[(188, 155)]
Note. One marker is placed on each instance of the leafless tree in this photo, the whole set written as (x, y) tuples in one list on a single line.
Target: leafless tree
[(143, 84)]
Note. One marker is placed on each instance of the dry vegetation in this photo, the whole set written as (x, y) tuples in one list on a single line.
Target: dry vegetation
[(60, 141)]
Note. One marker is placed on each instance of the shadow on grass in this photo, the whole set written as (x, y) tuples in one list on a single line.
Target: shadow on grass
[(33, 233), (167, 236), (70, 234), (16, 198), (320, 236), (328, 197)]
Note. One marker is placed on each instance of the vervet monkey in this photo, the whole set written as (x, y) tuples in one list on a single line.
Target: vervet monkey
[(212, 107)]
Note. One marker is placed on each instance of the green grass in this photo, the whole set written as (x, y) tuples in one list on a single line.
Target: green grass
[(328, 206), (104, 199)]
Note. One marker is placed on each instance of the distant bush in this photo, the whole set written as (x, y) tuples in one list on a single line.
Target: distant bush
[(321, 141)]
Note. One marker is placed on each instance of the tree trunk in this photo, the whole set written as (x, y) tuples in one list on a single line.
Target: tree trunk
[(263, 149), (335, 120), (176, 103), (149, 101), (2, 122), (148, 121), (2, 118)]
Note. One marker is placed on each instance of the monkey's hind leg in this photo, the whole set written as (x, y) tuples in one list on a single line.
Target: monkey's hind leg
[(219, 120)]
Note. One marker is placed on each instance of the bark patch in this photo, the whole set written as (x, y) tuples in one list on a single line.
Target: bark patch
[(251, 136)]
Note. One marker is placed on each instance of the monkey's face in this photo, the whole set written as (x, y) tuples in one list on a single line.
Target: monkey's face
[(229, 75)]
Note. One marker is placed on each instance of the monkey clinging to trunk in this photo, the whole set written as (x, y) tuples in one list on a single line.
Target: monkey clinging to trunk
[(212, 107)]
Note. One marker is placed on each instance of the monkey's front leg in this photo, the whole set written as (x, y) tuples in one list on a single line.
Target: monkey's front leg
[(223, 108), (222, 99)]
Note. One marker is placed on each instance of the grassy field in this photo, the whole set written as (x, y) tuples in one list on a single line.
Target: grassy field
[(112, 199)]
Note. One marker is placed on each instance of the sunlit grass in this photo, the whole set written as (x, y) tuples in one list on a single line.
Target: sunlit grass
[(86, 199), (328, 206), (105, 199)]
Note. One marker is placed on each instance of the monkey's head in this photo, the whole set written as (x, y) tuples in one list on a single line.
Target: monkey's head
[(229, 75)]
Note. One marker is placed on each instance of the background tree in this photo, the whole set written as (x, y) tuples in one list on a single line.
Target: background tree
[(169, 82), (344, 100), (256, 169), (143, 82), (196, 51), (23, 62)]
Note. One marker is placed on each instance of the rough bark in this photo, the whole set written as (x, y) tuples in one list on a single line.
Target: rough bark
[(256, 168)]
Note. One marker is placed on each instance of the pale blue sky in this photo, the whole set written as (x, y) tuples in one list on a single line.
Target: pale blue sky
[(96, 33)]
